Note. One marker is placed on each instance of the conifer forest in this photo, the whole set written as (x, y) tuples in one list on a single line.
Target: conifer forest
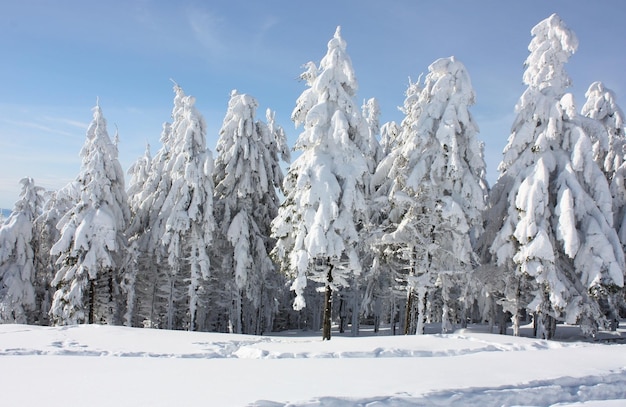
[(357, 223)]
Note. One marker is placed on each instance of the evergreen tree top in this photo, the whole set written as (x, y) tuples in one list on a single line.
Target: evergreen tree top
[(552, 45)]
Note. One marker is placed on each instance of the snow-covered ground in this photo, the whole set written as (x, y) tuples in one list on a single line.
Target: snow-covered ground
[(116, 366)]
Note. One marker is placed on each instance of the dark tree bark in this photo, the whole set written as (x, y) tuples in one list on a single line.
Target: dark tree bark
[(92, 301), (408, 317), (328, 304)]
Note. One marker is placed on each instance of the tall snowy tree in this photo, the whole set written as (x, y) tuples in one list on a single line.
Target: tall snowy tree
[(18, 257), (92, 242), (317, 227), (57, 204), (144, 280), (174, 222), (247, 175), (601, 105), (438, 189), (139, 173), (551, 204)]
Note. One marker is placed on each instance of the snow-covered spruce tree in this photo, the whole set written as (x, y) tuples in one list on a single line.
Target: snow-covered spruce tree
[(386, 284), (388, 137), (56, 205), (317, 227), (139, 173), (92, 243), (143, 285), (555, 242), (18, 257), (438, 191), (174, 223), (371, 147), (246, 177), (601, 105)]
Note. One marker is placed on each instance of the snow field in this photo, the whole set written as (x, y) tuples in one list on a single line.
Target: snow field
[(105, 365)]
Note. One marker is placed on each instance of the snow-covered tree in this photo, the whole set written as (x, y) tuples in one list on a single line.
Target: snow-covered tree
[(173, 225), (18, 257), (56, 205), (139, 172), (247, 175), (92, 243), (388, 136), (438, 189), (372, 149), (552, 206), (143, 284), (317, 227), (601, 105)]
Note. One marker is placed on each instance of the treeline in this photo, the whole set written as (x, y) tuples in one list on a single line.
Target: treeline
[(384, 224)]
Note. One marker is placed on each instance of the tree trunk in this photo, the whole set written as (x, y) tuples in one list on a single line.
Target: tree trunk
[(170, 304), (355, 308), (408, 314), (343, 312), (328, 304), (92, 301), (421, 310)]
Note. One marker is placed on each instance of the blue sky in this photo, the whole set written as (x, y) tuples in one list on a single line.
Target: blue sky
[(58, 57)]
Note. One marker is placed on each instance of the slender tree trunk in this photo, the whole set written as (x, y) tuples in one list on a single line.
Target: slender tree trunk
[(409, 312), (421, 310), (170, 304), (153, 299), (516, 317), (92, 301), (328, 304), (343, 312), (355, 308)]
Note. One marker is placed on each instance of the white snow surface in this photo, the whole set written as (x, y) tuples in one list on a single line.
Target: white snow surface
[(106, 366)]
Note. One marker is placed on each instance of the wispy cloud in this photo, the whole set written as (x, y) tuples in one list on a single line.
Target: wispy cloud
[(68, 122), (207, 28), (36, 126)]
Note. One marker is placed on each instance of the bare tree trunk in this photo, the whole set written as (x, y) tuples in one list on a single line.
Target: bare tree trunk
[(92, 301), (421, 310), (409, 312), (328, 304), (355, 308), (170, 303), (343, 312)]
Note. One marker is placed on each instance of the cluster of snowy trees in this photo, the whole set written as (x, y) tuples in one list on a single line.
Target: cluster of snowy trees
[(391, 223)]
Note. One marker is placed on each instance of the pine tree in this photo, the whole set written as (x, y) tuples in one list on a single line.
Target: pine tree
[(247, 175), (18, 257), (601, 105), (173, 225), (438, 190), (139, 173), (552, 207), (387, 280), (92, 243), (144, 283), (317, 227)]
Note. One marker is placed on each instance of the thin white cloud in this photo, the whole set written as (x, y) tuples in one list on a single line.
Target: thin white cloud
[(37, 126), (207, 29), (68, 122)]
